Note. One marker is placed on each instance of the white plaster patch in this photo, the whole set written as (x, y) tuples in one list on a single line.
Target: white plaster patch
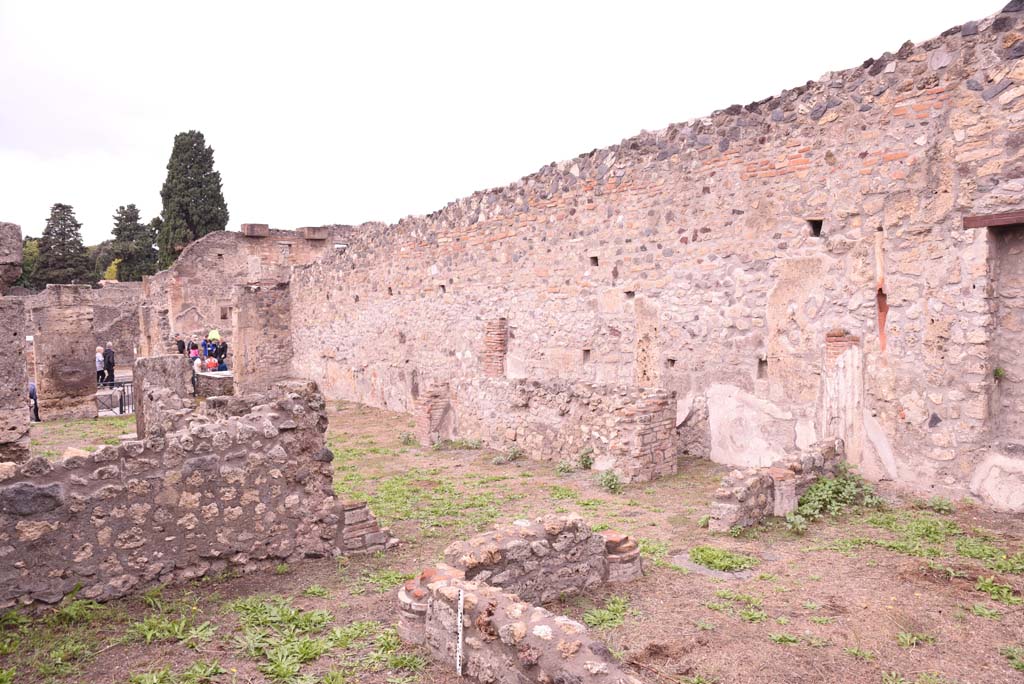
[(746, 431), (999, 481)]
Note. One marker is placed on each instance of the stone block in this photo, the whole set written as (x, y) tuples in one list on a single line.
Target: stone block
[(255, 229)]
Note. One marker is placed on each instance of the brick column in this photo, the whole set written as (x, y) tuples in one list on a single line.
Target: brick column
[(495, 347)]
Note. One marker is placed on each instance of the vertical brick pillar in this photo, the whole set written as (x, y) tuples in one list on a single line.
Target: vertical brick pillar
[(836, 343), (495, 347), (433, 415)]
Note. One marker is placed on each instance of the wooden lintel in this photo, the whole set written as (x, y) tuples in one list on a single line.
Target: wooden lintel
[(989, 220)]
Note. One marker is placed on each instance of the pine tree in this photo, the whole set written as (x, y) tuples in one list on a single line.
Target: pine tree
[(62, 257), (133, 245), (193, 204)]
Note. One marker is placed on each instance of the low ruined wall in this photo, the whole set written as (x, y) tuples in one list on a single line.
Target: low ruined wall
[(746, 497), (628, 430), (215, 384), (170, 372), (241, 482), (539, 561), (506, 639)]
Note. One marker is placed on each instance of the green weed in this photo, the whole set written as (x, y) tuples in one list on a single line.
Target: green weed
[(720, 559), (610, 482), (1015, 655), (912, 639), (1003, 593), (833, 496), (784, 638), (612, 615)]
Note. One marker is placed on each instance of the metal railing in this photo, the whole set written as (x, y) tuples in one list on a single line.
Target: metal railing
[(116, 397)]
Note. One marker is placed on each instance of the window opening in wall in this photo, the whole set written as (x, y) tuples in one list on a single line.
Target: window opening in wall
[(355, 298), (441, 289), (390, 292), (586, 356), (225, 313), (220, 255), (594, 261), (762, 368), (630, 294), (815, 226), (670, 363)]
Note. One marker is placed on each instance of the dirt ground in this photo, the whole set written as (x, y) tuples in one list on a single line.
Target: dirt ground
[(897, 596)]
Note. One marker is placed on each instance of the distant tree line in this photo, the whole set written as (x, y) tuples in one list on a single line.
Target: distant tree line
[(193, 205)]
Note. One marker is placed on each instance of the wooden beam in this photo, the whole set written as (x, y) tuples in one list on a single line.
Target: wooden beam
[(1008, 218)]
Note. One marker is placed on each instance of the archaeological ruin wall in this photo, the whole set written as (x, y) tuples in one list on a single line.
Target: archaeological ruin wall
[(240, 483), (493, 583), (14, 415), (115, 313), (60, 319), (195, 294), (263, 347), (721, 260)]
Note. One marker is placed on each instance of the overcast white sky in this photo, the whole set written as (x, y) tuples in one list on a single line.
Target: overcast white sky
[(339, 112)]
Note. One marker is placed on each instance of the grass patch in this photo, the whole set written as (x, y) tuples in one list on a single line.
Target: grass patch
[(612, 615), (833, 496), (912, 639), (783, 638), (458, 445), (386, 579), (720, 559), (610, 482), (1015, 656), (1003, 593)]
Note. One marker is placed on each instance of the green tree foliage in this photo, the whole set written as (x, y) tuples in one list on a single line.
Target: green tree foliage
[(100, 256), (62, 256), (29, 257), (193, 204), (133, 245), (111, 272)]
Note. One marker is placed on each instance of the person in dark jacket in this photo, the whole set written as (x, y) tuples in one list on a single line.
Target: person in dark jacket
[(220, 352), (180, 343), (108, 361)]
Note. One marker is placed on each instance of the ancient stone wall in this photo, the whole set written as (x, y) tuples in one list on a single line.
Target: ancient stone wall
[(195, 294), (241, 482), (509, 641), (14, 401), (263, 344), (10, 255), (500, 574), (625, 429), (723, 251), (62, 336), (170, 372), (540, 561), (747, 497), (115, 311)]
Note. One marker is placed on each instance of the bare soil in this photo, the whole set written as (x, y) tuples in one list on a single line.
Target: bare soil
[(807, 613)]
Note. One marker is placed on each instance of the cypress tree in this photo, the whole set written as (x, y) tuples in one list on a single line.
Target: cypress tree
[(193, 204), (62, 256), (133, 245)]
